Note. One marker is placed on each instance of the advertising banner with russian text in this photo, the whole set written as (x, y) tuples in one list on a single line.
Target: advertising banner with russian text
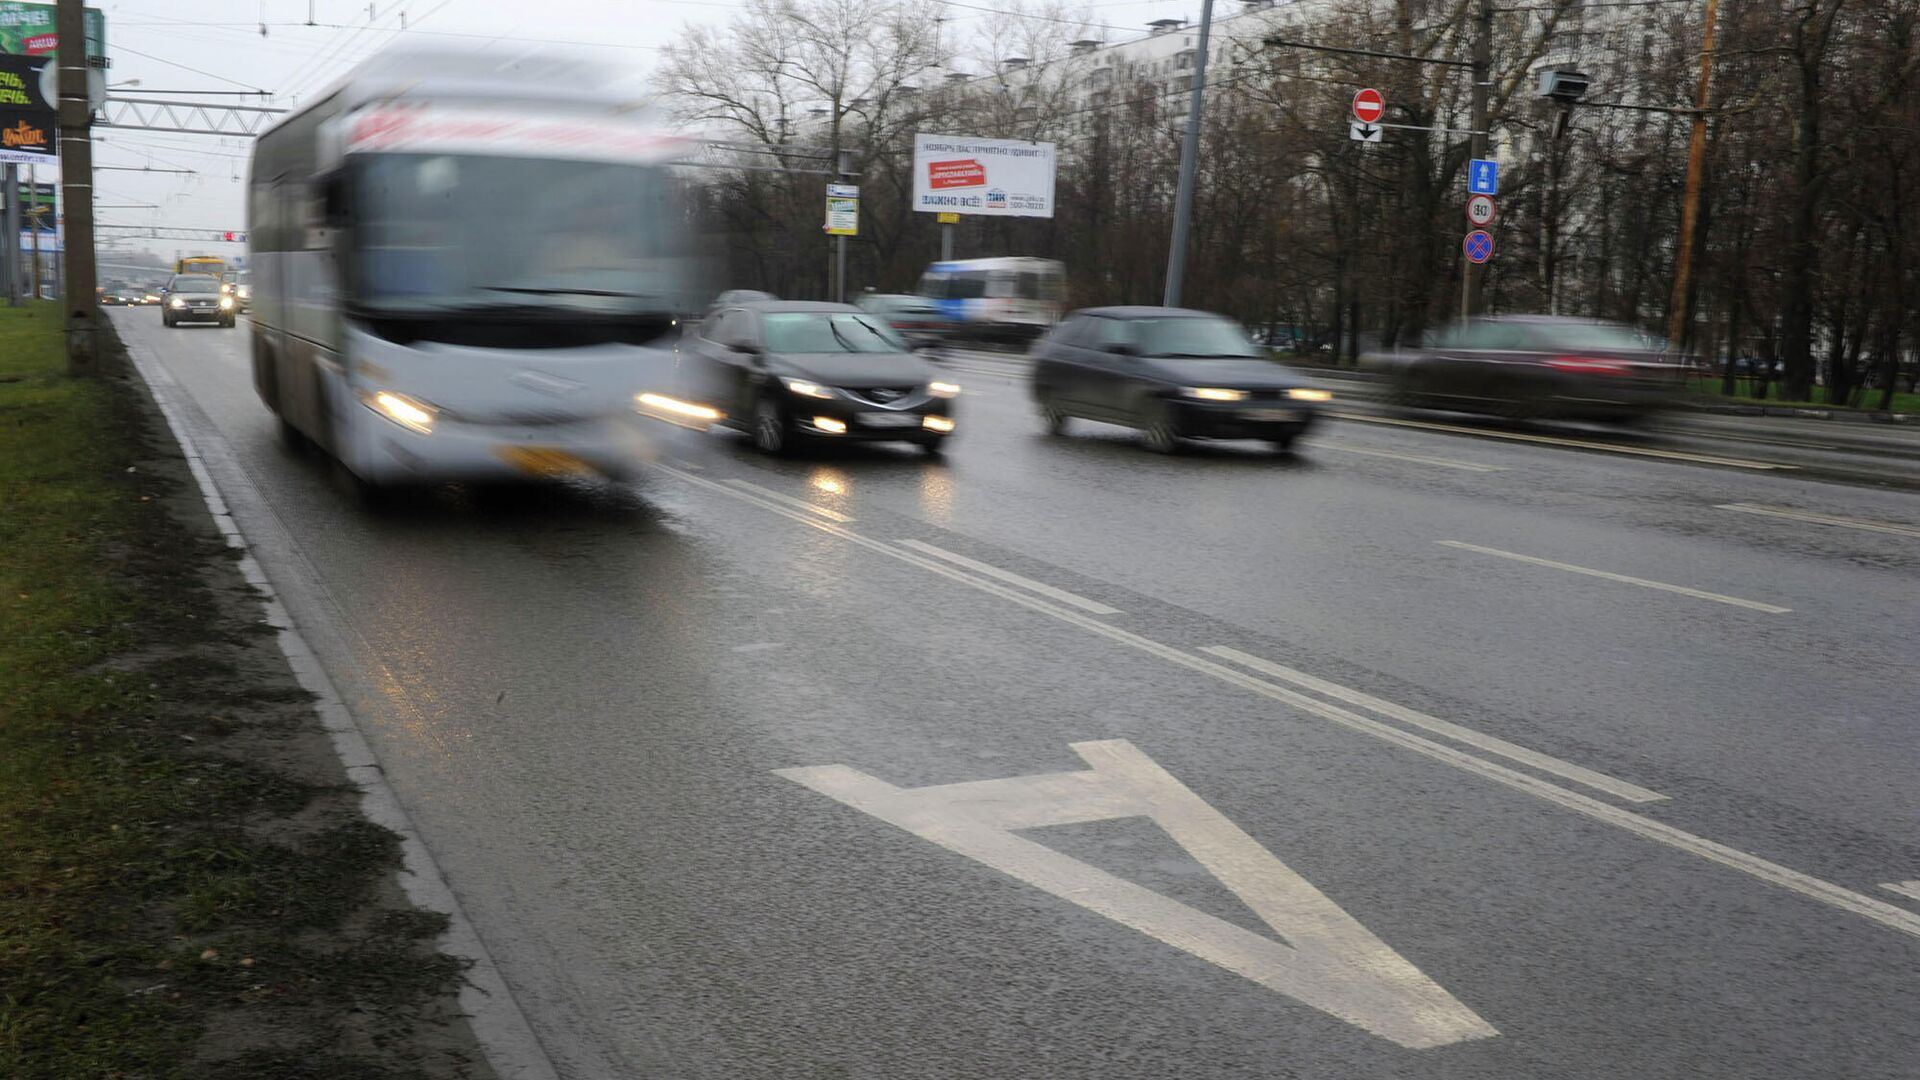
[(958, 174)]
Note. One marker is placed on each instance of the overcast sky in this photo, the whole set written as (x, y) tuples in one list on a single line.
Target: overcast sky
[(217, 45)]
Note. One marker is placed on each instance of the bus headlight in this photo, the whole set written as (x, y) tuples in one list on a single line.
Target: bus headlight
[(401, 409)]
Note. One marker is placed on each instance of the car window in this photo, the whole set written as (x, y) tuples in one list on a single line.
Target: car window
[(1195, 336), (733, 328), (1070, 331), (1107, 332), (1487, 334), (830, 332), (1587, 335), (195, 282)]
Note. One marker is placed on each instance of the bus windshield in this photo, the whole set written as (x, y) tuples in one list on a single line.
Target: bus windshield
[(437, 233)]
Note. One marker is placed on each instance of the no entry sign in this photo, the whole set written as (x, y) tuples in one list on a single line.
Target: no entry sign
[(1480, 210), (1369, 106)]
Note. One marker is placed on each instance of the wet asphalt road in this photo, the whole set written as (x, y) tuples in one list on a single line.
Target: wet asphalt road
[(1655, 844)]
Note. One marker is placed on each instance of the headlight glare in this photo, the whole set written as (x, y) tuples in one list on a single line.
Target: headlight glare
[(176, 302), (1307, 393), (943, 389), (226, 303), (1213, 393), (401, 409), (808, 389)]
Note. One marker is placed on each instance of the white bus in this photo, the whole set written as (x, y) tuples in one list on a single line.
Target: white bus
[(465, 267), (1009, 297)]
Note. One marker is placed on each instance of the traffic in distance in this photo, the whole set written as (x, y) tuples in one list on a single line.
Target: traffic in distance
[(382, 341)]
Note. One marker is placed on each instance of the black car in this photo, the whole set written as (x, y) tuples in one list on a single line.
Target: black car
[(1535, 367), (792, 370), (1172, 373)]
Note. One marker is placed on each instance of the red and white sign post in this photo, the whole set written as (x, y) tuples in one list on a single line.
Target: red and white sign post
[(1369, 106)]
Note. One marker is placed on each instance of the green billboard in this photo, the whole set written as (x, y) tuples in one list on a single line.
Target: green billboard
[(28, 30)]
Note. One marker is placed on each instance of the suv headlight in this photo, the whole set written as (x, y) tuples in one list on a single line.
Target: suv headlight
[(176, 302), (226, 302)]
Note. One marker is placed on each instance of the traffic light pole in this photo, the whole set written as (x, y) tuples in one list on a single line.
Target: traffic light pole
[(76, 187)]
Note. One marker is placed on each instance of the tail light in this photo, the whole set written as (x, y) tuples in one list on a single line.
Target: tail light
[(1583, 365)]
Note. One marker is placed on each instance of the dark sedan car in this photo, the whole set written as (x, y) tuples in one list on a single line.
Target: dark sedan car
[(1172, 373), (790, 370), (1535, 366)]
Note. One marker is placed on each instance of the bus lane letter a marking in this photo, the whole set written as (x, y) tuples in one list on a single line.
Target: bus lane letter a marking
[(1323, 958)]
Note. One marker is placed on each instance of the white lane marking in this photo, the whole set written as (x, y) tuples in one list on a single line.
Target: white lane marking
[(1322, 444), (1772, 873), (964, 369), (1908, 889), (1012, 578), (1697, 594), (1545, 763), (1326, 959), (800, 504), (1821, 519), (1555, 440)]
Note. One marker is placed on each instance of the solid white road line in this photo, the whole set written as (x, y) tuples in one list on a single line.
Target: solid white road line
[(1821, 519), (1908, 889), (1698, 594), (1772, 873), (1345, 448), (1566, 770), (802, 504), (1012, 578), (1555, 440)]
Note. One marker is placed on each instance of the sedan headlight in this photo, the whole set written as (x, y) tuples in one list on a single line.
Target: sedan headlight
[(226, 303), (808, 389), (1214, 393), (943, 389), (1306, 393), (176, 302), (401, 409)]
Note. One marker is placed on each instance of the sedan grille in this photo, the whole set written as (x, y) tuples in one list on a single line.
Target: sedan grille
[(882, 395)]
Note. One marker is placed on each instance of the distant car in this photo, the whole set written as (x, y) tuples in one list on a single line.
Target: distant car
[(114, 295), (243, 291), (1173, 373), (196, 298), (1535, 367), (793, 371), (915, 318), (150, 297)]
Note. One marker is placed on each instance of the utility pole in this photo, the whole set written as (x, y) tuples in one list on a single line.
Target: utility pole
[(76, 186), (1680, 313), (10, 249), (1189, 155), (840, 242), (1470, 283)]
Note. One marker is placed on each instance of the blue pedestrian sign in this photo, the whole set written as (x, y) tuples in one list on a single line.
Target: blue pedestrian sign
[(1478, 246), (1483, 177)]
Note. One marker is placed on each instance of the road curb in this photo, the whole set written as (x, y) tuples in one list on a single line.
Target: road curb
[(505, 1036)]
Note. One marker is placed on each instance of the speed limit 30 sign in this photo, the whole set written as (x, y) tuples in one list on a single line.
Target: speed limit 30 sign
[(1480, 210)]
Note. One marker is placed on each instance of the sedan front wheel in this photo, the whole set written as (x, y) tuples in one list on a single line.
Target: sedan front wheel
[(770, 435), (1158, 432)]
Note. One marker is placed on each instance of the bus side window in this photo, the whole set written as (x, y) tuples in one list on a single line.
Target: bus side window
[(934, 286), (1000, 285)]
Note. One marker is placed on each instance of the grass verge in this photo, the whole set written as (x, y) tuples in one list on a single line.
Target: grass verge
[(186, 886)]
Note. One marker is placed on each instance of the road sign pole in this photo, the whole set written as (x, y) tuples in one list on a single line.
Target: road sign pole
[(1189, 152), (1680, 313), (33, 215), (76, 186), (1470, 274)]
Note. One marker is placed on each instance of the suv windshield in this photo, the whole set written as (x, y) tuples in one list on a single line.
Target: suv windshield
[(195, 283), (829, 332), (441, 232), (1195, 336)]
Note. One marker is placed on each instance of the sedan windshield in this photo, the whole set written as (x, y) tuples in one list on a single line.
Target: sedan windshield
[(830, 332), (1592, 335), (1188, 336), (442, 232)]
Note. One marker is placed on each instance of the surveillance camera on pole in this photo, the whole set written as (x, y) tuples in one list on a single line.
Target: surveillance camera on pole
[(1566, 88)]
